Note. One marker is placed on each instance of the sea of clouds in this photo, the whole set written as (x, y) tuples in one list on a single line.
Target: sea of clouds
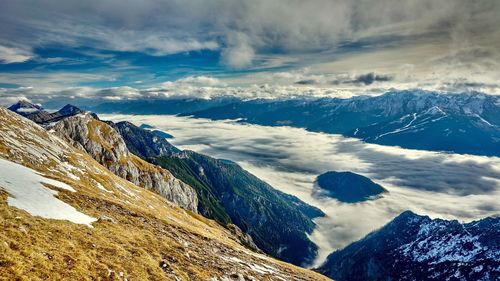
[(443, 185)]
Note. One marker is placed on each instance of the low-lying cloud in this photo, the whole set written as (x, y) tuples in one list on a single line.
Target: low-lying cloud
[(451, 186)]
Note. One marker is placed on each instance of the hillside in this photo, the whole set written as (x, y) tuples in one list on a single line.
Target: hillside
[(115, 229)]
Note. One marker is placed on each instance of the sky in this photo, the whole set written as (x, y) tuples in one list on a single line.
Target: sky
[(130, 49)]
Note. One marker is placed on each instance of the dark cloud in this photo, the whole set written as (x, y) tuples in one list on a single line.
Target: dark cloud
[(369, 78), (306, 82), (364, 79)]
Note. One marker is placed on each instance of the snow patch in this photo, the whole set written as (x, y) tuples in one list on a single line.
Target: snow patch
[(27, 192)]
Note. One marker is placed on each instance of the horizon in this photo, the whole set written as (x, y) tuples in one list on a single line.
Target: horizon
[(145, 50)]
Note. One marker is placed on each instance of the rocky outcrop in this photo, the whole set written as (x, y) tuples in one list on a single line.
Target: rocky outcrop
[(243, 237), (106, 146)]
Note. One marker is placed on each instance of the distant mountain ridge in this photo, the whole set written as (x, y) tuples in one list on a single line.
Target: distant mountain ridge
[(416, 119), (39, 115), (413, 247)]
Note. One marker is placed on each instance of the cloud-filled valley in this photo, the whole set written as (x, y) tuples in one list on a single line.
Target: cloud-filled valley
[(452, 186)]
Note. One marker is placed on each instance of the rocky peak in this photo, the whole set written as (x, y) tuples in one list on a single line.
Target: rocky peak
[(69, 110), (24, 108), (105, 145)]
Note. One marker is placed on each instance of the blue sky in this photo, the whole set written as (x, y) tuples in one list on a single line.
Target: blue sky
[(159, 48)]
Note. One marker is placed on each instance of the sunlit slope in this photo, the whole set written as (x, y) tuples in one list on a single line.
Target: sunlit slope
[(137, 235)]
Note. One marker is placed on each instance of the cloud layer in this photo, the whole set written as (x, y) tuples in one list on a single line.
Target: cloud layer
[(449, 186), (240, 28), (71, 46)]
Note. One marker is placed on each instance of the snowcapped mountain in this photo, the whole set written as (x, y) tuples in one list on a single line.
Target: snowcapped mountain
[(460, 123), (39, 115), (65, 216), (413, 247)]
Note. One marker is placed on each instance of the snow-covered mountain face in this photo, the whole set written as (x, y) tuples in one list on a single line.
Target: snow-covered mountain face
[(404, 102), (413, 247), (461, 123)]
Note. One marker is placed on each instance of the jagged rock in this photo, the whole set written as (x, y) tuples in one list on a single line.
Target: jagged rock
[(106, 146)]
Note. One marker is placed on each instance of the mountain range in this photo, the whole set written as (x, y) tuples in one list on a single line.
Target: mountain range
[(85, 198), (461, 123)]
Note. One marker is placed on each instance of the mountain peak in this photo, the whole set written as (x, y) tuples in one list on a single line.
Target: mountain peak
[(69, 109), (25, 107)]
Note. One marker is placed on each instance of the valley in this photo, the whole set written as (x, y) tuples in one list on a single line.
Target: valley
[(443, 185)]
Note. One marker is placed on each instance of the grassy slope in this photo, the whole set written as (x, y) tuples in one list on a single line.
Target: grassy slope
[(277, 225), (151, 239)]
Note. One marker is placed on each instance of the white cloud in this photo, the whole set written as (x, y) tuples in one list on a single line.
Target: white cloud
[(239, 53), (13, 55)]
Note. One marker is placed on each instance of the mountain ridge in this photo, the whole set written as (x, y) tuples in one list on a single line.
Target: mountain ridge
[(473, 118)]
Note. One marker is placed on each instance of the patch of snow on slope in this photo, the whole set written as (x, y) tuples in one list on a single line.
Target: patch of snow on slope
[(27, 192)]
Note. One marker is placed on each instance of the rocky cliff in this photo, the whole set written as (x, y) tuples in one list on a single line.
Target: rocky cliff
[(106, 146)]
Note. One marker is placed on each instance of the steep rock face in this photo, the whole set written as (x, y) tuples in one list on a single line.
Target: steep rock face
[(413, 247), (105, 145)]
